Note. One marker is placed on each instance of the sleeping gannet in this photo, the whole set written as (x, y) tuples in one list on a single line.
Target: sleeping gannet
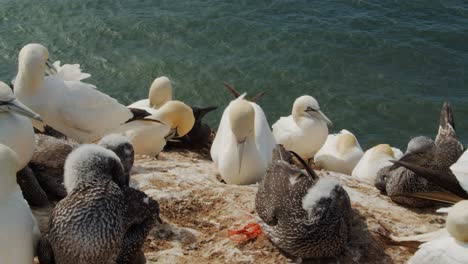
[(148, 136), (340, 153), (305, 130), (160, 92), (18, 229), (74, 108), (375, 159), (242, 148)]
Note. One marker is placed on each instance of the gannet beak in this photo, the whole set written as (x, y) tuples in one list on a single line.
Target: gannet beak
[(240, 153), (50, 69), (324, 117), (17, 107), (206, 110), (407, 158)]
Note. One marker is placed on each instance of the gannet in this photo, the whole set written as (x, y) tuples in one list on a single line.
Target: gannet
[(74, 108), (92, 224), (242, 148), (451, 248), (18, 229), (160, 92), (16, 130), (375, 159), (148, 136), (340, 153), (305, 130), (304, 215), (200, 133)]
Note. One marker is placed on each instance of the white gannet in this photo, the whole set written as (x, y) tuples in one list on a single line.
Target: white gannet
[(451, 248), (16, 130), (243, 146), (18, 229), (148, 136), (305, 130), (160, 92), (73, 108), (340, 153), (375, 159)]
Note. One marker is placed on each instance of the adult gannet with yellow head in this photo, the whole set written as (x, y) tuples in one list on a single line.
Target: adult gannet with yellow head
[(305, 130), (19, 231), (16, 130), (71, 107), (160, 92), (375, 159), (242, 148), (340, 153), (148, 136)]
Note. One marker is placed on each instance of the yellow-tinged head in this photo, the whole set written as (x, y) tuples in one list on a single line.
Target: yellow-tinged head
[(346, 142), (160, 92), (457, 221), (242, 119), (33, 62), (178, 115), (307, 106), (382, 150)]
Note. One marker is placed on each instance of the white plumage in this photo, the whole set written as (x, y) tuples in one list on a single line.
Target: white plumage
[(18, 229), (72, 107), (340, 153), (243, 163), (149, 137), (16, 130), (460, 170), (375, 159), (305, 130), (160, 92)]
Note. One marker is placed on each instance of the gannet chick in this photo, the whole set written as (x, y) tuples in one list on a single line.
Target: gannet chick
[(16, 130), (200, 133), (148, 136), (74, 108), (373, 160), (340, 153), (88, 225), (451, 249), (305, 130), (18, 239), (242, 148), (303, 215), (51, 153), (160, 92)]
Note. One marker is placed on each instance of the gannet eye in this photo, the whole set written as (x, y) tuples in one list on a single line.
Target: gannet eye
[(310, 109)]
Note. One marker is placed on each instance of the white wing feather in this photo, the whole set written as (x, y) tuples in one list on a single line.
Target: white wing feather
[(263, 136), (70, 72), (460, 170)]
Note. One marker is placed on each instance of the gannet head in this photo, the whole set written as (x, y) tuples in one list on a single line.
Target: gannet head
[(121, 146), (9, 103), (33, 63), (381, 151), (419, 151), (178, 115), (242, 121), (92, 163), (457, 221), (345, 142), (160, 92), (9, 161), (307, 106)]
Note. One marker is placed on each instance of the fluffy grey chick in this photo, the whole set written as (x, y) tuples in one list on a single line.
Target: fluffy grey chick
[(303, 215), (121, 146), (88, 225)]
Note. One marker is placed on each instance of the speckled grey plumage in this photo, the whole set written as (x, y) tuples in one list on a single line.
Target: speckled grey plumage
[(279, 202), (32, 191), (423, 151)]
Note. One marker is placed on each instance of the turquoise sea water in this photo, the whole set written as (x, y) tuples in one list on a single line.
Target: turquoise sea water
[(378, 68)]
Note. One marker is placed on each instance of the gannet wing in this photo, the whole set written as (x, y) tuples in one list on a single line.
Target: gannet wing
[(263, 136), (70, 72), (460, 170)]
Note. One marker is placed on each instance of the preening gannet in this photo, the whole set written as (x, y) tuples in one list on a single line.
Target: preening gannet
[(160, 93), (242, 148), (375, 159), (74, 108)]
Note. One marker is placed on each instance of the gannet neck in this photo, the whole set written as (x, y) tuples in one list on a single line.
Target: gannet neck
[(160, 92), (242, 120), (177, 115), (457, 221), (31, 67), (9, 163)]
